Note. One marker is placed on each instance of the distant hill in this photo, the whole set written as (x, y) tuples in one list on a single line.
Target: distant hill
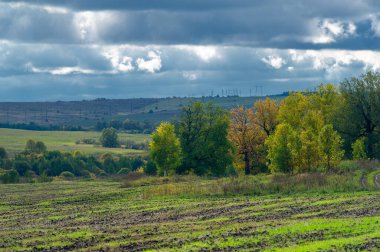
[(87, 113)]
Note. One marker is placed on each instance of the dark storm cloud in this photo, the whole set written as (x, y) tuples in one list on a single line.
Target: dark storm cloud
[(65, 50), (276, 24)]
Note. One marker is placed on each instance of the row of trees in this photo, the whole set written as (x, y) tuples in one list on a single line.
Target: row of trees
[(309, 131), (127, 125), (36, 160)]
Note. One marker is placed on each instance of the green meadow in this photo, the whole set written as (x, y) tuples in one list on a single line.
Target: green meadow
[(14, 141), (106, 215)]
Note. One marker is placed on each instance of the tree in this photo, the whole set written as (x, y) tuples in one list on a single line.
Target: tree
[(30, 146), (326, 99), (3, 153), (358, 149), (311, 139), (35, 147), (165, 149), (245, 134), (330, 146), (203, 131), (109, 138), (266, 112), (279, 152), (360, 110), (309, 155), (21, 167)]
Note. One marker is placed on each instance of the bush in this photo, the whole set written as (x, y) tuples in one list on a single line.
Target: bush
[(9, 176), (21, 167), (123, 171), (44, 178), (88, 141), (150, 168), (231, 171), (358, 149), (347, 166), (3, 153), (137, 163), (66, 175), (130, 144)]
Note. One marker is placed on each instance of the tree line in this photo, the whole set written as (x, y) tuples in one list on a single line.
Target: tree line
[(305, 132), (36, 163)]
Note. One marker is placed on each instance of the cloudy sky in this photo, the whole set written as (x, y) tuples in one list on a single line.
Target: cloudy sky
[(74, 50)]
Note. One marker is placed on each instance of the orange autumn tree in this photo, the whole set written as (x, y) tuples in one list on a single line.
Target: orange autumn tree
[(266, 112), (246, 135)]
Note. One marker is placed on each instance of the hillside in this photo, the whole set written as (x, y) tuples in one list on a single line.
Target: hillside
[(87, 113)]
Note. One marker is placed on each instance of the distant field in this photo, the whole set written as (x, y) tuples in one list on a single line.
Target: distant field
[(98, 215), (14, 141)]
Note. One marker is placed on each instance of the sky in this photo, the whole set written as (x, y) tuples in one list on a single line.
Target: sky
[(86, 49)]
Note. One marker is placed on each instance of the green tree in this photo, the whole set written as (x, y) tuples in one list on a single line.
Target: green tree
[(279, 151), (109, 138), (40, 147), (358, 149), (150, 168), (203, 132), (35, 147), (330, 146), (3, 153), (21, 167), (3, 157), (30, 146), (359, 112), (165, 149), (9, 176)]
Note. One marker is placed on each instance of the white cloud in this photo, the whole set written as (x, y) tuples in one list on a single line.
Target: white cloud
[(274, 61), (191, 76), (328, 31), (60, 70), (335, 63), (375, 25), (205, 53), (152, 65), (119, 61), (55, 10), (290, 69)]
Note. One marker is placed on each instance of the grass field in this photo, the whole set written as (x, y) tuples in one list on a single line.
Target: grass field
[(14, 141), (99, 215)]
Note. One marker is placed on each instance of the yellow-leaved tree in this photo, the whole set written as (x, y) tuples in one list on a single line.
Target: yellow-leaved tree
[(165, 149), (266, 112)]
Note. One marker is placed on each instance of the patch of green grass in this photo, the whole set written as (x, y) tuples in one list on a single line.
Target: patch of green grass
[(14, 141)]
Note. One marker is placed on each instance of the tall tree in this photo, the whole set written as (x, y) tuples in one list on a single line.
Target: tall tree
[(330, 146), (203, 133), (245, 134), (109, 138), (360, 110), (279, 151), (266, 112), (165, 149)]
